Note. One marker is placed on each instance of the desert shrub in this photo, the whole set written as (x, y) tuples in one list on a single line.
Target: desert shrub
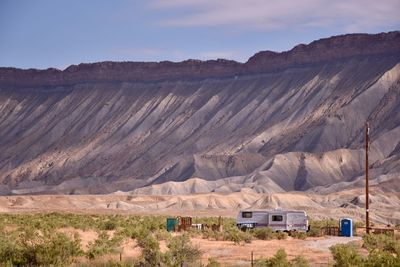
[(181, 251), (233, 235), (153, 223), (10, 252), (298, 235), (207, 234), (315, 226), (381, 258), (357, 224), (381, 242), (281, 235), (213, 263), (103, 245), (315, 231), (278, 260), (162, 234), (109, 225), (300, 261), (384, 250), (151, 255), (58, 249), (346, 255), (195, 232), (218, 236), (29, 247), (110, 263), (237, 236), (247, 237), (263, 233)]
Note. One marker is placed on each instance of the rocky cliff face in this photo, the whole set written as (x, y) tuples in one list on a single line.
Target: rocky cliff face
[(324, 50), (280, 122)]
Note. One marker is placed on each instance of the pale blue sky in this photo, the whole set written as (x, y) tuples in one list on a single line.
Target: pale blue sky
[(58, 33)]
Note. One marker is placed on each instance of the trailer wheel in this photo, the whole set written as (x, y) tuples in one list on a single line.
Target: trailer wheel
[(243, 228)]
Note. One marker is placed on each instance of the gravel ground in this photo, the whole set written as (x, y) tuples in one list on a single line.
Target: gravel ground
[(324, 244)]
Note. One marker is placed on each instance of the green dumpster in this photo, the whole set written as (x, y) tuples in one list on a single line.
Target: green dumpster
[(171, 222)]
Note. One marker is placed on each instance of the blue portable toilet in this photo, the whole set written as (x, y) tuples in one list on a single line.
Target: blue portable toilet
[(346, 227)]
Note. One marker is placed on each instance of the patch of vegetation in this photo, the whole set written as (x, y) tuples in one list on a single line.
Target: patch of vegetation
[(40, 239), (346, 255), (213, 263), (263, 233), (181, 252), (151, 254), (103, 245), (280, 260), (237, 236), (281, 235), (383, 250), (316, 226), (31, 247), (298, 235)]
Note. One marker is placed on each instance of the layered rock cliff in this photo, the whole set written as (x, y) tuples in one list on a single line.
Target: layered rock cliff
[(280, 122)]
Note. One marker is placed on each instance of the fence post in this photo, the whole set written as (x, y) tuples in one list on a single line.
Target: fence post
[(252, 258)]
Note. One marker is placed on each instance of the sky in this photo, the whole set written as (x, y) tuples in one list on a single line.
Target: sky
[(58, 33)]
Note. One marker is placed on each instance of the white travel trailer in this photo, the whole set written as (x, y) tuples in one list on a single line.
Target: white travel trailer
[(277, 220)]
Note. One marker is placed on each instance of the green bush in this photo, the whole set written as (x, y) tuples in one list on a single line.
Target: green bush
[(315, 226), (29, 247), (162, 234), (103, 245), (263, 233), (110, 263), (181, 252), (281, 235), (298, 235), (383, 251), (381, 242), (300, 261), (346, 255), (278, 260), (213, 263), (109, 225), (237, 236), (151, 254), (382, 258)]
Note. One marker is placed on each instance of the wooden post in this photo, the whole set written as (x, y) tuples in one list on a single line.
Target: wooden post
[(366, 178), (252, 259)]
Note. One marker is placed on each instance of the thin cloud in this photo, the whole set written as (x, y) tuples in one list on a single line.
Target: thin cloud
[(272, 15)]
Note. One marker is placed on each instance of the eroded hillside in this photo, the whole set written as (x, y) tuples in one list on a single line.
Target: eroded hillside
[(280, 122)]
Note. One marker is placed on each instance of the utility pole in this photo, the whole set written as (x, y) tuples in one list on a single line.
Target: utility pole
[(366, 178)]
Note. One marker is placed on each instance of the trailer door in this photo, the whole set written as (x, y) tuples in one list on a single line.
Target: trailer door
[(291, 221)]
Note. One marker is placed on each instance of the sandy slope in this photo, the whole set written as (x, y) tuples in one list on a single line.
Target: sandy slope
[(350, 203)]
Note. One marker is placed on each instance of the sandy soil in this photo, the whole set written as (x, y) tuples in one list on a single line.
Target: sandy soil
[(316, 250), (230, 254)]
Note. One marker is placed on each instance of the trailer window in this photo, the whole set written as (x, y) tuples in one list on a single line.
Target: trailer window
[(277, 218), (247, 214)]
